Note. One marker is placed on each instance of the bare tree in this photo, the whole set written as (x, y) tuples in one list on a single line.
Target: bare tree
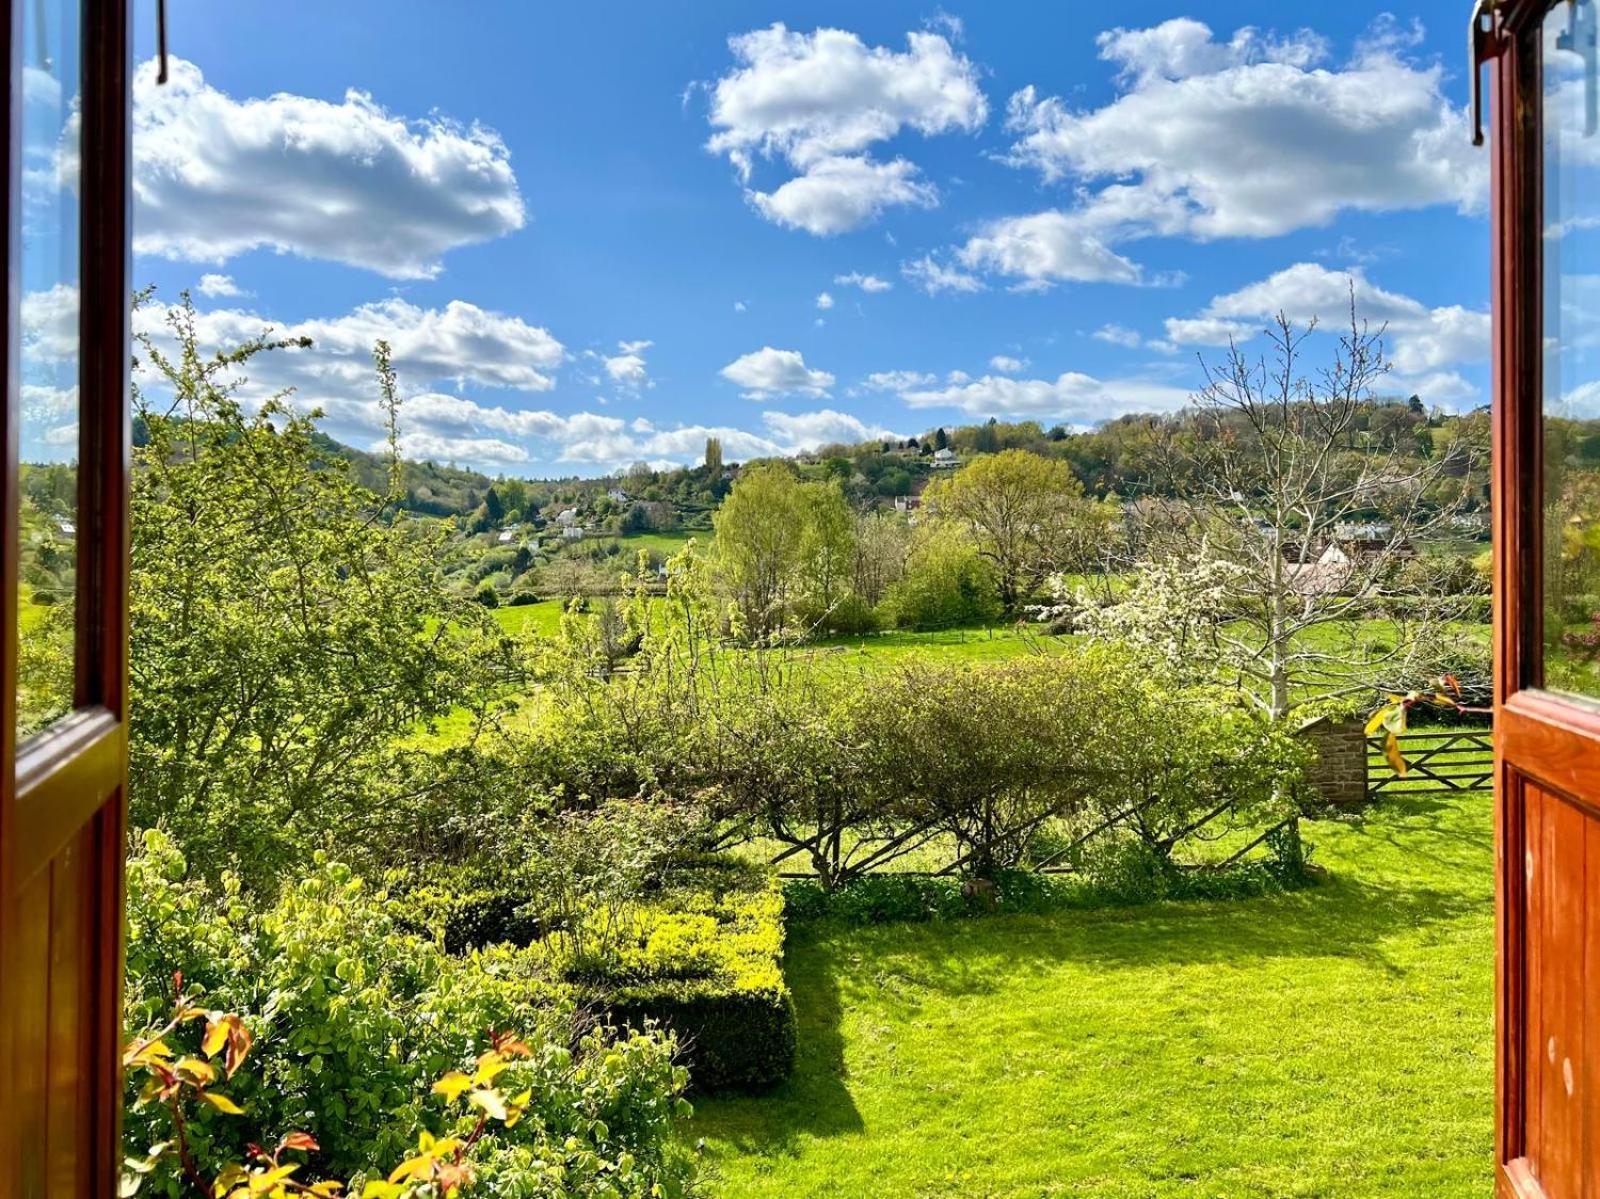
[(1297, 553)]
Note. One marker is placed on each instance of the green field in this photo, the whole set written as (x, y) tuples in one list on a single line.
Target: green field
[(1331, 1042)]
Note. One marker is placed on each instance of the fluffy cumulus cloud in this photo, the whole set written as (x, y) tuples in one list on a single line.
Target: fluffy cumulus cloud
[(820, 101), (840, 194), (218, 286), (1424, 343), (1044, 248), (458, 345), (768, 372), (1210, 138), (626, 368), (824, 300), (867, 283), (1072, 397), (1007, 365), (216, 176), (808, 430)]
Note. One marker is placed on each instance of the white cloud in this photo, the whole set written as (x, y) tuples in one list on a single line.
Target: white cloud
[(836, 195), (1007, 365), (1422, 341), (933, 276), (215, 177), (897, 380), (821, 101), (458, 345), (739, 306), (1045, 248), (1117, 335), (824, 301), (627, 367), (868, 283), (1255, 136), (218, 286), (808, 430), (1071, 396), (768, 372), (1252, 137)]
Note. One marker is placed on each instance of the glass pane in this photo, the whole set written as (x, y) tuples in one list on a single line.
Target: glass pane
[(48, 450)]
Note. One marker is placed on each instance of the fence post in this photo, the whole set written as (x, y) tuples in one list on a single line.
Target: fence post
[(1338, 776)]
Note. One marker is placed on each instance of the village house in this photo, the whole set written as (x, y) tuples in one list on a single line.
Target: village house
[(567, 517), (572, 532), (618, 496), (945, 459), (907, 503)]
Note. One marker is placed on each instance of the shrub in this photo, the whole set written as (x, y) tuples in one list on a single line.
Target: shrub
[(703, 960), (733, 1037), (356, 1017), (945, 585)]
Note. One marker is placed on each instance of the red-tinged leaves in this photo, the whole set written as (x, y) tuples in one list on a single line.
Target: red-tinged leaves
[(510, 1045), (303, 1141)]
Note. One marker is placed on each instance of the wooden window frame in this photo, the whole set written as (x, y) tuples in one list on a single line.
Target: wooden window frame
[(62, 791), (1543, 740)]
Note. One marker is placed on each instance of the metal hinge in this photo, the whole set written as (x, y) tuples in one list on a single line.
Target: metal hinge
[(161, 40), (1479, 31)]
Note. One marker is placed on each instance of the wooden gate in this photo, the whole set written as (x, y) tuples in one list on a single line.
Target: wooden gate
[(1447, 760)]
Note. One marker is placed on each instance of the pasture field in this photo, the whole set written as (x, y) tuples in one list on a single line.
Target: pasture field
[(1332, 1042)]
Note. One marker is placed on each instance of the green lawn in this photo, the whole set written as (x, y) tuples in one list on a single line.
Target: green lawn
[(543, 618), (1332, 1042)]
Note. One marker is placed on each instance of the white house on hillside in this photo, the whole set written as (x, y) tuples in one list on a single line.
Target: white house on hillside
[(572, 532), (567, 516), (945, 460)]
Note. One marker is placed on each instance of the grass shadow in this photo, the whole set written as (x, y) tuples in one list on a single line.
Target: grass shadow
[(815, 1099)]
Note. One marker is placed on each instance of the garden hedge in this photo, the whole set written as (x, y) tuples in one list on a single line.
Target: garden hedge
[(709, 966), (730, 1037)]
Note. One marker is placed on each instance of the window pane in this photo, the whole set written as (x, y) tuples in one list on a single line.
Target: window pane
[(48, 450)]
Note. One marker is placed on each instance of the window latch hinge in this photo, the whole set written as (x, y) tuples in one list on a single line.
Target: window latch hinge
[(1479, 30), (161, 40)]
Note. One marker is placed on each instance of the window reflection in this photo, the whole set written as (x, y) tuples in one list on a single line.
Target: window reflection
[(48, 448)]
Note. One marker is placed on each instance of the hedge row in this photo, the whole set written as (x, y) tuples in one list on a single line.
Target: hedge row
[(885, 898), (703, 958), (708, 965)]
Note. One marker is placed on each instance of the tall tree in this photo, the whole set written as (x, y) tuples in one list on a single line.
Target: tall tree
[(1296, 529), (285, 631), (714, 455), (1020, 509), (759, 532)]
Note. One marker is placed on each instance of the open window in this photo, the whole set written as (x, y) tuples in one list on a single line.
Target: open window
[(1546, 135), (64, 652)]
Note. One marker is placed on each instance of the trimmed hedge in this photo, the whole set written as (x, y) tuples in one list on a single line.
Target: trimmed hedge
[(708, 965), (730, 1037)]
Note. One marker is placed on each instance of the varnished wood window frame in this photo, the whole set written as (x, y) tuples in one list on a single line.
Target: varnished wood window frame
[(65, 786), (1542, 739)]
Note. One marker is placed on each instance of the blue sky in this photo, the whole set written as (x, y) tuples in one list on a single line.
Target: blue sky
[(595, 233)]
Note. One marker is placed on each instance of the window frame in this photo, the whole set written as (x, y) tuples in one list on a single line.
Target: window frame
[(62, 791)]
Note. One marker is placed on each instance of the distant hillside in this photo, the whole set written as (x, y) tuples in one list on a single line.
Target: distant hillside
[(430, 488)]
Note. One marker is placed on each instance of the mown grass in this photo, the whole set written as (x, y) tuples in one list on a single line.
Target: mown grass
[(1330, 1042)]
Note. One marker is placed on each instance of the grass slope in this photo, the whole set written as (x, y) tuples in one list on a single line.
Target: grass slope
[(1333, 1042)]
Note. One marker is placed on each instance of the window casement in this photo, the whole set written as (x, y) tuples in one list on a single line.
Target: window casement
[(63, 739)]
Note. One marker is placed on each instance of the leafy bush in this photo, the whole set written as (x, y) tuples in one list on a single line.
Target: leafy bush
[(356, 1017), (701, 959), (945, 585)]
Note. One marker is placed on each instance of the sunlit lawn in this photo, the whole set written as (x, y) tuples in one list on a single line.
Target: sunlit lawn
[(1331, 1042)]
